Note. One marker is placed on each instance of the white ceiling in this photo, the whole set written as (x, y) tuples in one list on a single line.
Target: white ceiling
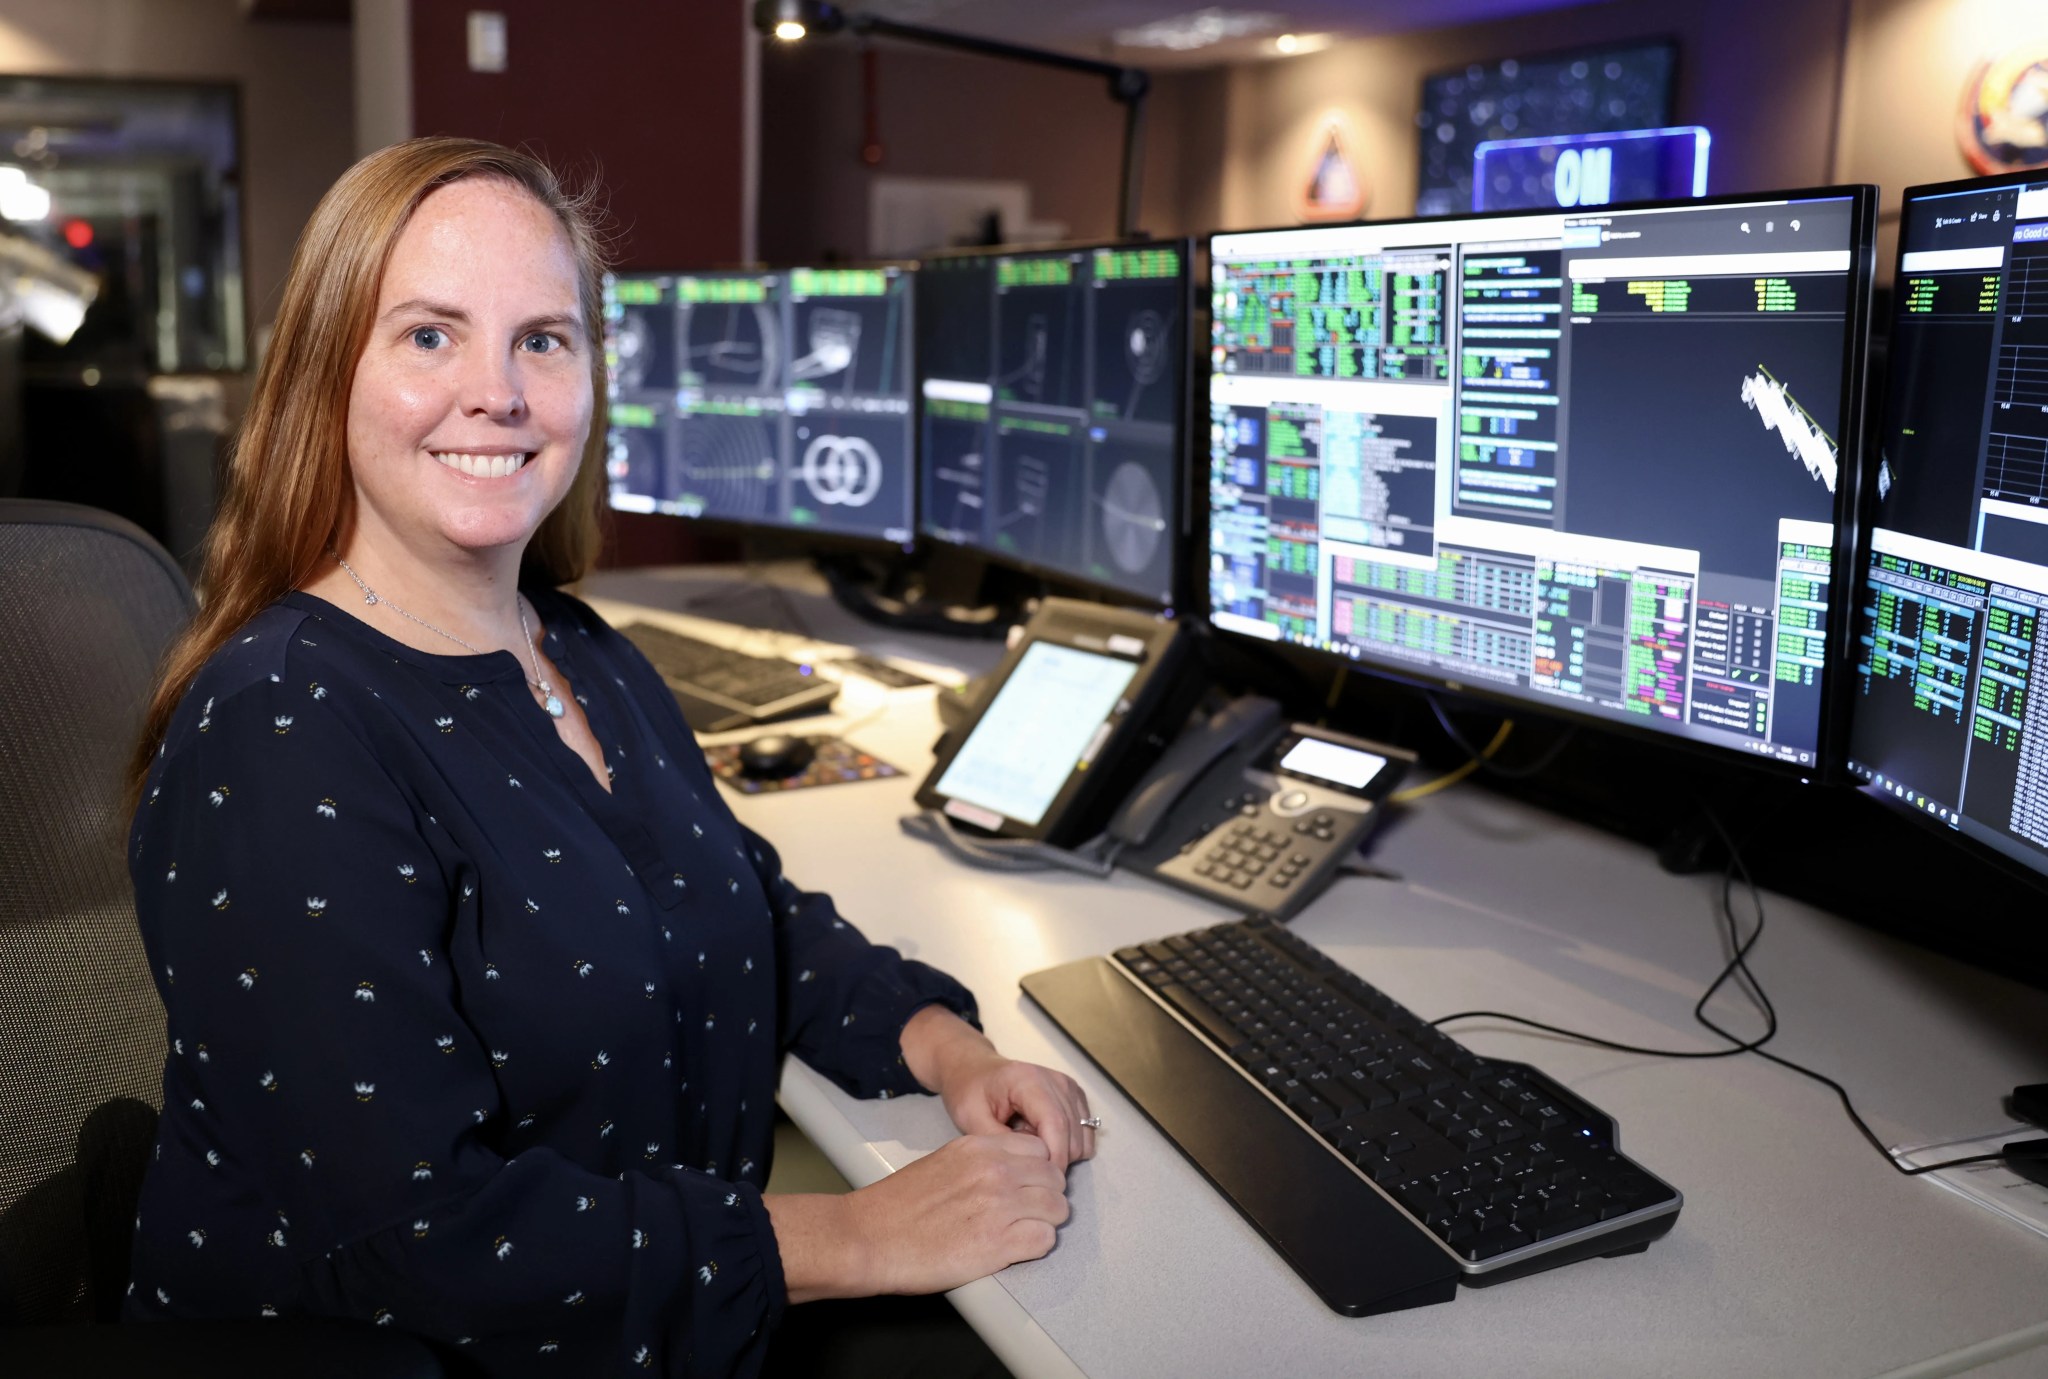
[(1089, 26)]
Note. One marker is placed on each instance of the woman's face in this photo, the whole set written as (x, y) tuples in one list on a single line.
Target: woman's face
[(472, 399)]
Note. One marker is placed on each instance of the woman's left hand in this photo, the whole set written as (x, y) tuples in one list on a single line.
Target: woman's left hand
[(985, 1092)]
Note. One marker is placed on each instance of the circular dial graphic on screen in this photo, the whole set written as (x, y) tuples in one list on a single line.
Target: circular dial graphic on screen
[(635, 349), (1133, 518), (729, 463)]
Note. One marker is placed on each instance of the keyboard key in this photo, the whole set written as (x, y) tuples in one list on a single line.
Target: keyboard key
[(1419, 1196), (1303, 1101)]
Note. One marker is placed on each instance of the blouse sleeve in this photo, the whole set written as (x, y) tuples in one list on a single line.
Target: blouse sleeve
[(843, 1000), (297, 906)]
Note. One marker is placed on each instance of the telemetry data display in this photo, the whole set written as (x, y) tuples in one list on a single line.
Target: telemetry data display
[(1584, 459), (1947, 723), (1048, 715), (1052, 392), (778, 399)]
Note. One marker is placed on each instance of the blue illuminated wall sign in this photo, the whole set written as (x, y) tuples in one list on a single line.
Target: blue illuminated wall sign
[(1568, 170)]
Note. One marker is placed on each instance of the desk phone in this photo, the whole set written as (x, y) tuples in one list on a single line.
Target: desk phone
[(1253, 811)]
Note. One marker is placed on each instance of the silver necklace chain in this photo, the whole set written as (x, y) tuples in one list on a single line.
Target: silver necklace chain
[(549, 699)]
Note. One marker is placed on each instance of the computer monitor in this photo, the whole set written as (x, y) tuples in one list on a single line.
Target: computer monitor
[(1584, 462), (769, 399), (1052, 391), (1946, 724)]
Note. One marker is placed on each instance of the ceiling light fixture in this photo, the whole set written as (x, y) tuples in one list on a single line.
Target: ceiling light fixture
[(1198, 29)]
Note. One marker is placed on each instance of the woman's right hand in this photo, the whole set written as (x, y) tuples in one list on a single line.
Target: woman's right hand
[(976, 1204)]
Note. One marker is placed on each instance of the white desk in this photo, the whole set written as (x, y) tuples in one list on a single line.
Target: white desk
[(1797, 1252)]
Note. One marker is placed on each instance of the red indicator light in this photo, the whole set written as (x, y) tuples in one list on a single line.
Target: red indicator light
[(77, 234)]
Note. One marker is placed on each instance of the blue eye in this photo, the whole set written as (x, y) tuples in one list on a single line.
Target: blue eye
[(540, 342), (429, 337)]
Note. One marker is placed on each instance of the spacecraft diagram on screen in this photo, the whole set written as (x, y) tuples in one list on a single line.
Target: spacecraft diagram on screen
[(1144, 354), (1779, 411), (736, 345), (1032, 479), (833, 337), (1028, 378)]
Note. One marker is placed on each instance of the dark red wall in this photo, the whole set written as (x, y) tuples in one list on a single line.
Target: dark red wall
[(648, 94)]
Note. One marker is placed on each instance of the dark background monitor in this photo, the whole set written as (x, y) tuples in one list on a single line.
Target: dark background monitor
[(771, 399), (1582, 462), (1052, 399), (1948, 724), (1591, 91)]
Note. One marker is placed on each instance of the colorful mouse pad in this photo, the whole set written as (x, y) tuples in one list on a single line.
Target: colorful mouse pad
[(835, 764)]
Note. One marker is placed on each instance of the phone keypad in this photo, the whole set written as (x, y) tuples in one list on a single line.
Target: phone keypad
[(1248, 852)]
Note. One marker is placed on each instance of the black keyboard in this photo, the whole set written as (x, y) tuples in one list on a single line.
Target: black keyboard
[(720, 689), (1382, 1158)]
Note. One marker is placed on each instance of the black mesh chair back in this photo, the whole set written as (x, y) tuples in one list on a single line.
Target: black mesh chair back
[(87, 604)]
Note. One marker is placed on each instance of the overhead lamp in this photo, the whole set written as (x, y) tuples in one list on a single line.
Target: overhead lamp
[(1298, 45), (21, 199), (790, 20), (42, 290)]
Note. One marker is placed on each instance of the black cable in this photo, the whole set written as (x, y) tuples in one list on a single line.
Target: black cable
[(1494, 768), (1737, 1046)]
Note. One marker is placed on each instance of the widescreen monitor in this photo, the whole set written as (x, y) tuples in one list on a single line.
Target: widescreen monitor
[(768, 399), (1946, 723), (1591, 463), (1052, 395)]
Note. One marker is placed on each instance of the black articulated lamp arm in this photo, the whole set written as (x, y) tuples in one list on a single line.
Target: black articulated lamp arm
[(1128, 86)]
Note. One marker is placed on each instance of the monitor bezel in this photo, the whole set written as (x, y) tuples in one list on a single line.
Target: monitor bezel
[(1184, 592), (1831, 740), (1880, 410), (817, 538)]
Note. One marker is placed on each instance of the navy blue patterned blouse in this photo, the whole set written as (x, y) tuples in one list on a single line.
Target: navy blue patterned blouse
[(460, 1042)]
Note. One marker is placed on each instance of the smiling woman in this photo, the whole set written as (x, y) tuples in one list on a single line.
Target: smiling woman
[(295, 494), (476, 991)]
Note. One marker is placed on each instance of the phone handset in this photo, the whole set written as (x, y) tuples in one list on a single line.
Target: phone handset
[(1182, 764)]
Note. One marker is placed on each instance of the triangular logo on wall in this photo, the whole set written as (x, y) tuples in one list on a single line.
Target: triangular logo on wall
[(1334, 190)]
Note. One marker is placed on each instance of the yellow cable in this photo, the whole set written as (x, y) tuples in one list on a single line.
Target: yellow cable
[(1336, 688), (1451, 778)]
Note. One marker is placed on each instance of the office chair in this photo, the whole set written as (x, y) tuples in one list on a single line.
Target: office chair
[(88, 603)]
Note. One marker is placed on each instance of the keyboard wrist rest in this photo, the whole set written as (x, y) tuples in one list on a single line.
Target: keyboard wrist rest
[(1358, 1251)]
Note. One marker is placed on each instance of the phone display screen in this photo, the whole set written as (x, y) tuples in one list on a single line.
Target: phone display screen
[(1332, 764), (1032, 737)]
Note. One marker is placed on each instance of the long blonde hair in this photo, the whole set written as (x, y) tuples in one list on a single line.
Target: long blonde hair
[(288, 493)]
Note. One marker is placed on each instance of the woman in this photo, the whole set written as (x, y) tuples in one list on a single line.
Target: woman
[(476, 991)]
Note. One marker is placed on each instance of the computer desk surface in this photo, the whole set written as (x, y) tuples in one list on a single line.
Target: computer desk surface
[(1798, 1251)]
